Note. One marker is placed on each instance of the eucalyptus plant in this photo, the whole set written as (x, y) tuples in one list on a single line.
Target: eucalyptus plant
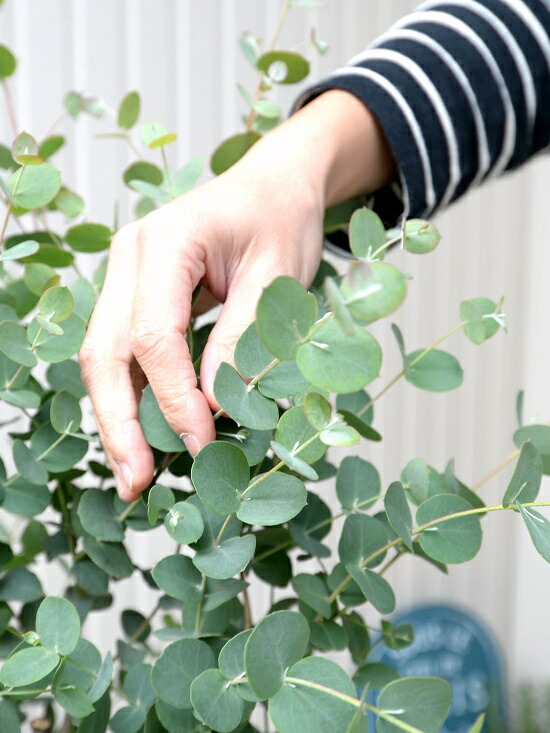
[(246, 511)]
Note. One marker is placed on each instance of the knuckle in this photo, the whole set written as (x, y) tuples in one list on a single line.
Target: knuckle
[(125, 235), (146, 339), (174, 408)]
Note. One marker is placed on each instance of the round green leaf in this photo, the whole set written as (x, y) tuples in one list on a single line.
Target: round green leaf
[(374, 290), (9, 721), (232, 150), (220, 474), (27, 465), (311, 589), (50, 145), (64, 456), (160, 497), (15, 345), (59, 348), (25, 147), (7, 62), (539, 529), (475, 324), (156, 429), (454, 541), (420, 236), (274, 500), (226, 559), (178, 577), (338, 362), (66, 376), (91, 578), (128, 111), (128, 720), (437, 371), (284, 316), (294, 430), (293, 462), (297, 707), (102, 680), (525, 483), (174, 720), (218, 705), (28, 666), (177, 667), (283, 67), (111, 557), (20, 585), (399, 513), (366, 233), (424, 702), (142, 170), (18, 251), (318, 410), (539, 435), (56, 304), (97, 514), (65, 413), (69, 203), (375, 588), (38, 185), (277, 642), (88, 237), (361, 537), (246, 406), (186, 177), (58, 625), (24, 499), (342, 435), (184, 523), (357, 483), (231, 657), (74, 701)]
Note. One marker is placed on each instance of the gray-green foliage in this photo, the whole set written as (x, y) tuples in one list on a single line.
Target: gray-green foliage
[(202, 659)]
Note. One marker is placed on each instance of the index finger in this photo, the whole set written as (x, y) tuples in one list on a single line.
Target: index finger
[(162, 307)]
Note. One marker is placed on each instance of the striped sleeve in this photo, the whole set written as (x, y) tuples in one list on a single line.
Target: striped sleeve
[(461, 89)]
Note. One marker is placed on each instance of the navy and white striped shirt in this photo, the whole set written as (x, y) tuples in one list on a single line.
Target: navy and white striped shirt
[(461, 89)]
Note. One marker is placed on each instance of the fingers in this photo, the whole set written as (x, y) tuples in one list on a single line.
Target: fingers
[(168, 274), (105, 360)]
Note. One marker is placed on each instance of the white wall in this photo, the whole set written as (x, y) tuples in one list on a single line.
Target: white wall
[(184, 58)]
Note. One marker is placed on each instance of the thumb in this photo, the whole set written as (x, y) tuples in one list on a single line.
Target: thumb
[(238, 312)]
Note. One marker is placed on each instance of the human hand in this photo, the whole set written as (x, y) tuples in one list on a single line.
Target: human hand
[(233, 235)]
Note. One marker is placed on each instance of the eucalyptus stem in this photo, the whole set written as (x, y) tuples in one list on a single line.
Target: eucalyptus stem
[(384, 246), (272, 43), (10, 107), (353, 701), (319, 525), (10, 204), (423, 528), (409, 365), (6, 219), (501, 465), (199, 606), (167, 173), (144, 624)]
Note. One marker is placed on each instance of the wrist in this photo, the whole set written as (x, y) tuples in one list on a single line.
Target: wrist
[(333, 147)]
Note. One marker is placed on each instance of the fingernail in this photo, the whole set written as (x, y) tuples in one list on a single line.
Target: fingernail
[(124, 479), (191, 443)]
